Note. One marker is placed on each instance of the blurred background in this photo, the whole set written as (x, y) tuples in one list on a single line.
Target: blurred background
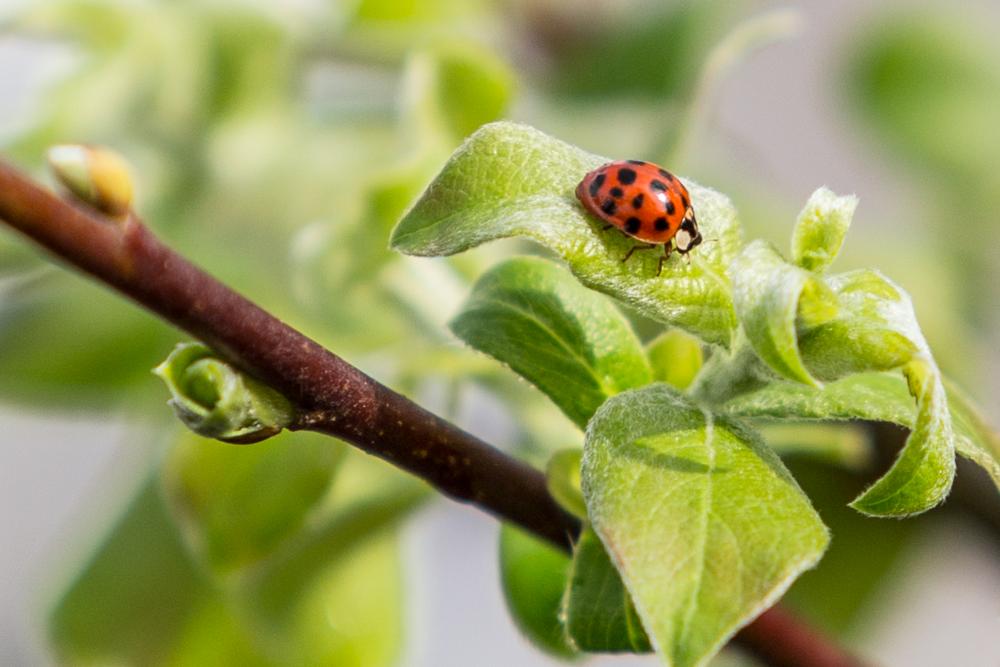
[(277, 144)]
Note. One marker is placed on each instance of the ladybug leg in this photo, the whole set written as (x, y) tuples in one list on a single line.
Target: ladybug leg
[(606, 227), (636, 247), (666, 255)]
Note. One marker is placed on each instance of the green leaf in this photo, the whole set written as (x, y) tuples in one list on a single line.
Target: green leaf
[(68, 343), (600, 616), (767, 292), (533, 574), (351, 615), (676, 358), (702, 520), (820, 230), (877, 329), (875, 397), (977, 441), (571, 343), (215, 400), (562, 476), (512, 180), (132, 598), (921, 476), (239, 504)]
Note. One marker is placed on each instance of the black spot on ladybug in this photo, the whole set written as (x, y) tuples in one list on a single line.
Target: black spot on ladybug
[(661, 224), (666, 174), (616, 192), (637, 201), (626, 176), (685, 201), (638, 162), (656, 184), (670, 207), (632, 225), (596, 184), (609, 206)]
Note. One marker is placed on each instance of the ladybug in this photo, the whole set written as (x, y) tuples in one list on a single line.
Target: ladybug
[(644, 201)]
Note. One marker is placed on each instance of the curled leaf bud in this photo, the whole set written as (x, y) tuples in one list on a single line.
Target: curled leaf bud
[(215, 400), (96, 176)]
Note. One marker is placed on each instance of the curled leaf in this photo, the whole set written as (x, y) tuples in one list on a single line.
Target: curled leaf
[(511, 180), (922, 475), (215, 400), (767, 293), (819, 232)]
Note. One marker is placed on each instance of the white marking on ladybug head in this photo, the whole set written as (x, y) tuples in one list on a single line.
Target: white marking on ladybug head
[(683, 240)]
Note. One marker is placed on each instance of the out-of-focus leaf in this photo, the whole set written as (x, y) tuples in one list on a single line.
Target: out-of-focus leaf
[(512, 180), (534, 575), (562, 475), (453, 88), (369, 498), (570, 342), (69, 343), (863, 554), (702, 520), (767, 293), (930, 86), (672, 39), (237, 505), (820, 230), (600, 616), (134, 597), (844, 445), (675, 357), (352, 613)]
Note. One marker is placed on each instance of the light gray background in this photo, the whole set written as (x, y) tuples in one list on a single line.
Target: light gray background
[(943, 609)]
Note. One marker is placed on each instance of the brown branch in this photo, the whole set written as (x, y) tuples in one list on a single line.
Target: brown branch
[(337, 398)]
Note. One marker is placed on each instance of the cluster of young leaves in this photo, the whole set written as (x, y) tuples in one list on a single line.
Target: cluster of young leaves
[(695, 526)]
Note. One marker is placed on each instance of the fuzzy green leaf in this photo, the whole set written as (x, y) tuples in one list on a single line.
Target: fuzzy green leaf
[(820, 230), (238, 504), (570, 342), (767, 292), (702, 520), (676, 358), (600, 616), (876, 329), (921, 476), (875, 397), (534, 575), (976, 439), (511, 180)]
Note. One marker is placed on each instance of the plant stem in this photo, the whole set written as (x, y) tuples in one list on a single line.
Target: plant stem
[(332, 396)]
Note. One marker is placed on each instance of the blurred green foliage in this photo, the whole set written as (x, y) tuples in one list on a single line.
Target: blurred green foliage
[(277, 146)]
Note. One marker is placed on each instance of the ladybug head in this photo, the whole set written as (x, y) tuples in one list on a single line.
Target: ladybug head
[(687, 236)]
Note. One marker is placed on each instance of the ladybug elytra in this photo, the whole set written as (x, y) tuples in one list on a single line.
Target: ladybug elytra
[(644, 201)]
